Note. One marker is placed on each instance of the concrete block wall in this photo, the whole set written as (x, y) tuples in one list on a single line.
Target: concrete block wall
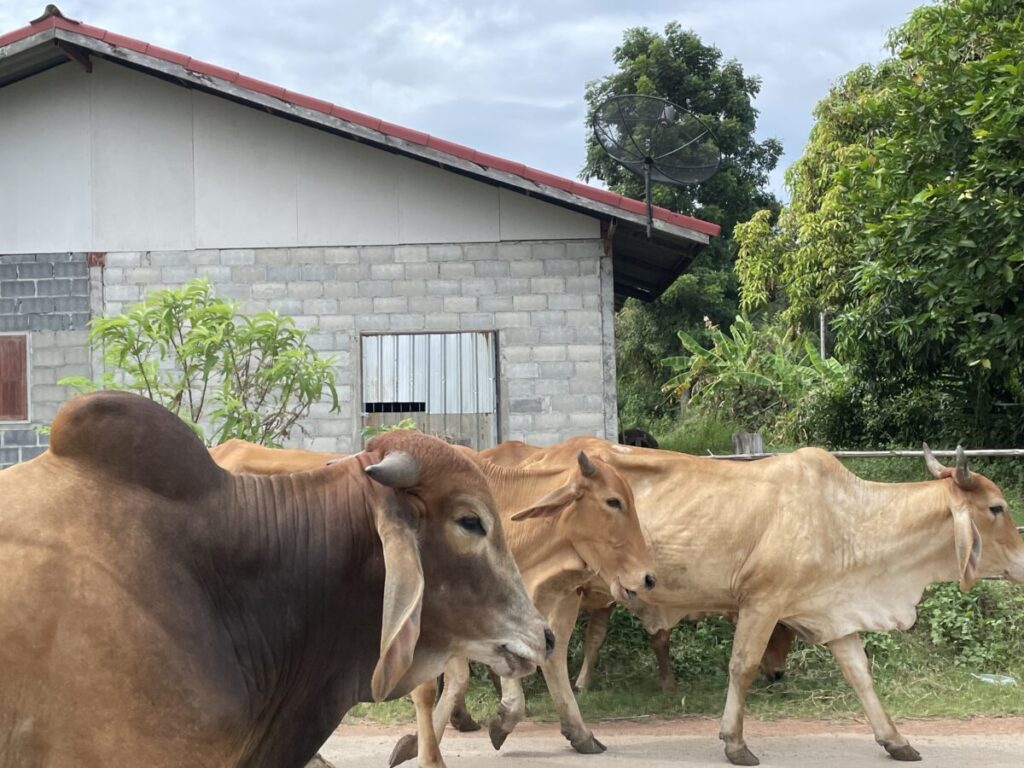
[(44, 292), (550, 302), (46, 296)]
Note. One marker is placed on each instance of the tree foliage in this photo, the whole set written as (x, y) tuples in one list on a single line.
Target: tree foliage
[(676, 65), (907, 219), (755, 376), (226, 374)]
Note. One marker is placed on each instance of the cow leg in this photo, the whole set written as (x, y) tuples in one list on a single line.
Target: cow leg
[(660, 646), (849, 655), (562, 619), (773, 663), (597, 630), (511, 711), (431, 717), (460, 718), (753, 628), (423, 741)]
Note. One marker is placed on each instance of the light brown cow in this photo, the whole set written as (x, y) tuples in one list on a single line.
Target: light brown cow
[(800, 540), (594, 534), (158, 611), (243, 457), (599, 604), (510, 453)]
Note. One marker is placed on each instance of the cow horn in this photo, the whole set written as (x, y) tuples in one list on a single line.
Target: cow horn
[(396, 470), (586, 465), (963, 475), (931, 462)]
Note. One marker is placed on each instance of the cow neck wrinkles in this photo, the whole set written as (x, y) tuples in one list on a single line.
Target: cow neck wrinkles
[(302, 567), (540, 547), (904, 524)]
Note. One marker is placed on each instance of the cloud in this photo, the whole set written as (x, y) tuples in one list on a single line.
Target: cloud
[(507, 78)]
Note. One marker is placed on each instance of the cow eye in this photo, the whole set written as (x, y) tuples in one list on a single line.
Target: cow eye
[(472, 524), (613, 503), (997, 509)]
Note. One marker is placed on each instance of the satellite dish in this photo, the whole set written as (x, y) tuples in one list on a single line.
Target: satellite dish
[(657, 140)]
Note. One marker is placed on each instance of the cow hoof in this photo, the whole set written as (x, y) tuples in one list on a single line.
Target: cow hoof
[(463, 722), (906, 752), (741, 756), (588, 745), (498, 735), (405, 749)]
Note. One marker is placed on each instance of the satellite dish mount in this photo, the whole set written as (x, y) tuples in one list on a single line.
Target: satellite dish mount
[(657, 140)]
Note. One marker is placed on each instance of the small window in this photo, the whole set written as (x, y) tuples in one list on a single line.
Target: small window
[(13, 378), (445, 382)]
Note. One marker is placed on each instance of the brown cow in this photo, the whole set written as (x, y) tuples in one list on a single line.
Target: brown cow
[(798, 539), (594, 531), (157, 610), (595, 534), (599, 605)]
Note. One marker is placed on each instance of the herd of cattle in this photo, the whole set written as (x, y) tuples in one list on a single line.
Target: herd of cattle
[(165, 605)]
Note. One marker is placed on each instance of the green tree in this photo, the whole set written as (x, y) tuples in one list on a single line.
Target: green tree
[(676, 65), (226, 374), (906, 221)]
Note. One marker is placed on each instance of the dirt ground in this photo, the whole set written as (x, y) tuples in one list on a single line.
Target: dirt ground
[(693, 743)]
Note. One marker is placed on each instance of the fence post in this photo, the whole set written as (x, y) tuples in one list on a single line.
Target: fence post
[(747, 442)]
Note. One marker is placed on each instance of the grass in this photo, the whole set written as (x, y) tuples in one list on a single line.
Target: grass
[(926, 672), (920, 686)]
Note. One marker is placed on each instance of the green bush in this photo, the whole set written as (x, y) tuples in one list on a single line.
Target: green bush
[(755, 376), (699, 432), (224, 373)]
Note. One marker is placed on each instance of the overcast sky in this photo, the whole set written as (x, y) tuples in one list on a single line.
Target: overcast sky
[(503, 77)]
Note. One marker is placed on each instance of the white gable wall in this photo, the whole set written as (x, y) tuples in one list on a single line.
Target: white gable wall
[(133, 163)]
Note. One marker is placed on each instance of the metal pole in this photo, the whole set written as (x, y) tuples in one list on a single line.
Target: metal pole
[(821, 319), (978, 453), (647, 196)]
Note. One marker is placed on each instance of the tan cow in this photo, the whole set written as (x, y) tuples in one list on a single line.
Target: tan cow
[(158, 611), (594, 534), (241, 456), (800, 540), (510, 453), (599, 605)]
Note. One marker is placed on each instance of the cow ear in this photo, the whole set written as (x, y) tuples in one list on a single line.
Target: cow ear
[(968, 548), (550, 505), (403, 594)]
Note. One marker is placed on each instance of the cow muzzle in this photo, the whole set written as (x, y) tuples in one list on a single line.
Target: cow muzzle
[(631, 593)]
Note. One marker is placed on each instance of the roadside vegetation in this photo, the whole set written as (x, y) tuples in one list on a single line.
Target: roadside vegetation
[(905, 225)]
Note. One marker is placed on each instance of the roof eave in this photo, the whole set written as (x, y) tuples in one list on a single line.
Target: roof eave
[(263, 96)]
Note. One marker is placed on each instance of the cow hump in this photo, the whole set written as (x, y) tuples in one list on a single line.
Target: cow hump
[(135, 441)]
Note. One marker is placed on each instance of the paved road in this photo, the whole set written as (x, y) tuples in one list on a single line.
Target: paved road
[(988, 743)]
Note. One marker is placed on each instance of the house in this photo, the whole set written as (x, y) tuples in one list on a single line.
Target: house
[(469, 292)]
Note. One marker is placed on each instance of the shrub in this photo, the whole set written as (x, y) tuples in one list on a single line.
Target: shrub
[(224, 373), (753, 376)]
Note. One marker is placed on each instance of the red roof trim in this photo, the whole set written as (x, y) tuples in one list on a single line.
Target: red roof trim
[(351, 116), (172, 57), (376, 124)]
